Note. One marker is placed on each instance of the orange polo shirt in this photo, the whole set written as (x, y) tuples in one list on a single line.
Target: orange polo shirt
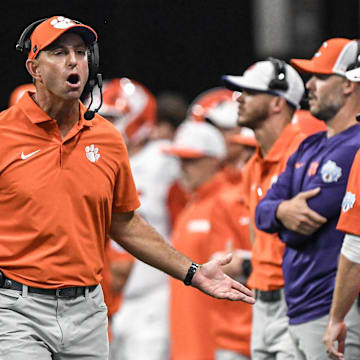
[(57, 196), (230, 320), (258, 175), (350, 209), (177, 198), (190, 321)]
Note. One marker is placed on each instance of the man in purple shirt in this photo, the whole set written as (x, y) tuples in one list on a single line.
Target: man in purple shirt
[(303, 206)]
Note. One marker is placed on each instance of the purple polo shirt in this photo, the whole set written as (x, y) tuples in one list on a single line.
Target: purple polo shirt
[(310, 262)]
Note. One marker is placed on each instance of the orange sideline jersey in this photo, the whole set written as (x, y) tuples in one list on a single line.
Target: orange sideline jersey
[(232, 174), (258, 176), (57, 196), (230, 321), (176, 201), (178, 197), (190, 331), (350, 209)]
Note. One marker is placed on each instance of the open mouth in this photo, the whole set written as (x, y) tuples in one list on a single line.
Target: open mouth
[(73, 79)]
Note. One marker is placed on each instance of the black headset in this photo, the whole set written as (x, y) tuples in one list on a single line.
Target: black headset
[(24, 45), (279, 80), (356, 63)]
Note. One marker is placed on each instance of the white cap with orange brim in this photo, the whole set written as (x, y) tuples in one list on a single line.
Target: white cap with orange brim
[(197, 139)]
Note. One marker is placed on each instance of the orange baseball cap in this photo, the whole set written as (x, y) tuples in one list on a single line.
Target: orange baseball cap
[(334, 57), (51, 29)]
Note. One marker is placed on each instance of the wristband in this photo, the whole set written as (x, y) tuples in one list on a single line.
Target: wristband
[(190, 274)]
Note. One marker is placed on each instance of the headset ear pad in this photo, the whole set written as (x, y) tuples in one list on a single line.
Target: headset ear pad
[(24, 43), (279, 81), (93, 64), (93, 61)]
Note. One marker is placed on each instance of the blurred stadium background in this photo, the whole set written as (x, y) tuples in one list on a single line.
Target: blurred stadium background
[(183, 45)]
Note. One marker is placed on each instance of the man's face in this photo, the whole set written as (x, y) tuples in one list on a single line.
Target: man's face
[(197, 171), (234, 150), (63, 67), (253, 108), (325, 95)]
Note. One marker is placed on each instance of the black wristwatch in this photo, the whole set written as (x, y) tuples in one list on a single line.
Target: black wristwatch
[(190, 274)]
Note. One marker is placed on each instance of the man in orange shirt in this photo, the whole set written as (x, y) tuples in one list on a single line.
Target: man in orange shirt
[(200, 147), (65, 184), (271, 92), (348, 273), (216, 106), (231, 323)]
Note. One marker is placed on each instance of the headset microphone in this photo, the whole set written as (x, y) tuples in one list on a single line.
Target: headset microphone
[(89, 114)]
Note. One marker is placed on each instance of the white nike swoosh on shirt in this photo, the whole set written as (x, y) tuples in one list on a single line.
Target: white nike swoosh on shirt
[(24, 157)]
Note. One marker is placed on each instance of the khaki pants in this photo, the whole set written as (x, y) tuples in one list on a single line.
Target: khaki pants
[(44, 327), (307, 337), (270, 338)]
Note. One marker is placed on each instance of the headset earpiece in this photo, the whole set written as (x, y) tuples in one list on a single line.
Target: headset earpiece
[(24, 42), (279, 81), (93, 61), (356, 63)]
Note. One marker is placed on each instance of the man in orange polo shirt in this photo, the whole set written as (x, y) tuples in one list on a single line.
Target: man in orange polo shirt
[(200, 147), (231, 322), (347, 284), (65, 183), (271, 92)]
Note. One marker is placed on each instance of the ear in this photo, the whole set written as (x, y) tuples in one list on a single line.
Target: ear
[(277, 104), (349, 87), (32, 66)]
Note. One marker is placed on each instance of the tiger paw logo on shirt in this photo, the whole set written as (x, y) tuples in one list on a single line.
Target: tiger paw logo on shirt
[(92, 153), (348, 201), (330, 172)]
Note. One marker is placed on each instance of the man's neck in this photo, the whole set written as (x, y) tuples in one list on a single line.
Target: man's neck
[(345, 118), (66, 113), (269, 132)]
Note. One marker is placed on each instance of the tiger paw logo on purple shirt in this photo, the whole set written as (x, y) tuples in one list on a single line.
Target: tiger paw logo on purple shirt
[(348, 201), (330, 172)]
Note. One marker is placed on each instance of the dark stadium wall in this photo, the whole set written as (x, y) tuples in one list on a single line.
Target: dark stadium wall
[(183, 45)]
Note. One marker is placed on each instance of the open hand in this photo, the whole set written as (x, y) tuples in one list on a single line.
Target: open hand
[(210, 279)]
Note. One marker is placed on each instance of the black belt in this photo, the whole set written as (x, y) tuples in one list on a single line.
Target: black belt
[(268, 296), (64, 292)]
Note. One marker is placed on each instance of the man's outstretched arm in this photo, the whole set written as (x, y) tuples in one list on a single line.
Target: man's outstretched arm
[(140, 239), (346, 290)]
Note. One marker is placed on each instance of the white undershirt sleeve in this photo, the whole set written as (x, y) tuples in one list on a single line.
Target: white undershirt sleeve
[(351, 248)]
